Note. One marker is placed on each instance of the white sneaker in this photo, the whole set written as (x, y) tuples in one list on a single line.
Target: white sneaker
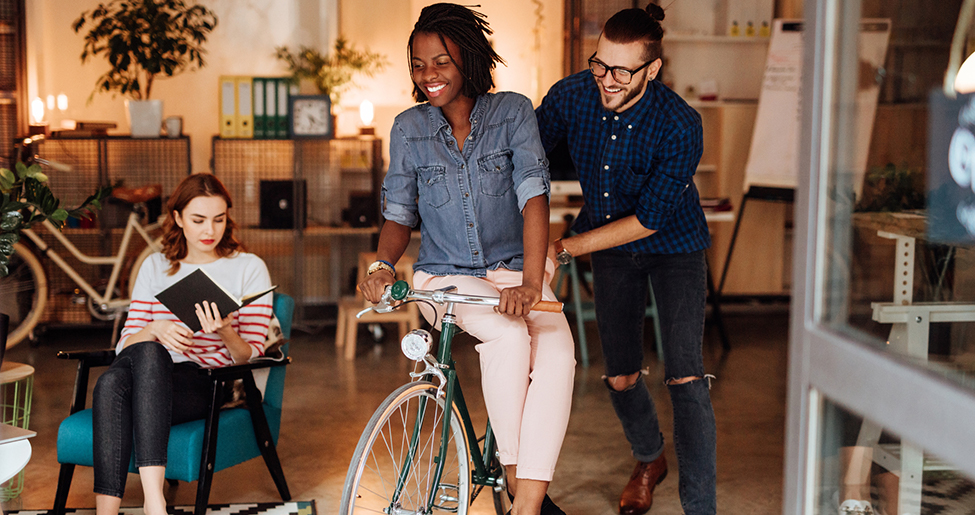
[(854, 507)]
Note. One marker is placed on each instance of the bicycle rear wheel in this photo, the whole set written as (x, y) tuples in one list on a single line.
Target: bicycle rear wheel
[(23, 294), (393, 468)]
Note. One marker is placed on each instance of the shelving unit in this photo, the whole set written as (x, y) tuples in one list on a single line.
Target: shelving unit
[(314, 262)]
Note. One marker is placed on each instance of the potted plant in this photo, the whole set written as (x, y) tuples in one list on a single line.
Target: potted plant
[(26, 200), (144, 40), (332, 73)]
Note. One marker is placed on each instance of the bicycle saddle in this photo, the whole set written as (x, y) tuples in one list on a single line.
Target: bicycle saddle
[(137, 195)]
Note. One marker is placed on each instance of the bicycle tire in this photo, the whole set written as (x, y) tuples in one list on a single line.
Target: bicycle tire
[(23, 294), (137, 264), (383, 448)]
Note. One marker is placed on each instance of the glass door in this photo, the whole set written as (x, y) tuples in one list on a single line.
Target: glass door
[(882, 347)]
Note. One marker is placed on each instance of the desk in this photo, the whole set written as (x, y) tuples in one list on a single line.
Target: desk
[(16, 391), (909, 332)]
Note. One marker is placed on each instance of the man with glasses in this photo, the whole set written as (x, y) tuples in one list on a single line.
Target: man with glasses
[(636, 145)]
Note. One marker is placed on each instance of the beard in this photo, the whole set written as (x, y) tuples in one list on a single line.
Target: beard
[(628, 93)]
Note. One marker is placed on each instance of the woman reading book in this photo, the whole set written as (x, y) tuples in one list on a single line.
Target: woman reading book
[(154, 382), (470, 164)]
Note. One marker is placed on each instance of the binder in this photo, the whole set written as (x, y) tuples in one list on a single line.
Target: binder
[(244, 119), (270, 108), (281, 117), (259, 118), (228, 107)]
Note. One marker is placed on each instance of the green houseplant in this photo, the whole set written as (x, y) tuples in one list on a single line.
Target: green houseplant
[(332, 73), (26, 200), (143, 40)]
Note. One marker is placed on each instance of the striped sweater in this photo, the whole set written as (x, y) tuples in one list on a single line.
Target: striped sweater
[(240, 274)]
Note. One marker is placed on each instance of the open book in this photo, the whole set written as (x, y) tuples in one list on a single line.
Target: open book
[(182, 298)]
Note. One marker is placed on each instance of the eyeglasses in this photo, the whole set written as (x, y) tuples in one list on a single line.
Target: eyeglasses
[(620, 74)]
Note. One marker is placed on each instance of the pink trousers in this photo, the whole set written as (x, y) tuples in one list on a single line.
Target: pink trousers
[(527, 370)]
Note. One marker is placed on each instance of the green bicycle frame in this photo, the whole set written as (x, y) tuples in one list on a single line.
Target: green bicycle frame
[(482, 475)]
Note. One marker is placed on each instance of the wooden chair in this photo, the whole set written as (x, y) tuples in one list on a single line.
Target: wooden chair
[(347, 328), (194, 451)]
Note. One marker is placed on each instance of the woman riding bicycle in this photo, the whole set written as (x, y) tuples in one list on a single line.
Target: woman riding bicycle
[(154, 381), (470, 164)]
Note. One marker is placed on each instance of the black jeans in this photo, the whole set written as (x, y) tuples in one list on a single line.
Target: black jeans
[(141, 395), (680, 288)]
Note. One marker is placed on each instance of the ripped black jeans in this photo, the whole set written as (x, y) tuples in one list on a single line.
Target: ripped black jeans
[(680, 288)]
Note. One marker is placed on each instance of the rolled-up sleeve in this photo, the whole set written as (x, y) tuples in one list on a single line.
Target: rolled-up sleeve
[(399, 192), (530, 176), (670, 178)]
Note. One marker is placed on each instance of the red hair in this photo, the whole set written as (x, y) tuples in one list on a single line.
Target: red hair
[(173, 239)]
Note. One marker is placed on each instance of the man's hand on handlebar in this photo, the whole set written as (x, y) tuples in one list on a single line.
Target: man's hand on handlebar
[(373, 286), (519, 300)]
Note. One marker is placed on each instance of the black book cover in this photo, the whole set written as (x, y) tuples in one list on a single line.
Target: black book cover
[(181, 298)]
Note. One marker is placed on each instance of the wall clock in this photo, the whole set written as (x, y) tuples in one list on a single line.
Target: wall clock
[(310, 116)]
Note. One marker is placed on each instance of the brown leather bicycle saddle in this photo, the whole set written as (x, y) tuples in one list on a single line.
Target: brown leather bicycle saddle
[(137, 195)]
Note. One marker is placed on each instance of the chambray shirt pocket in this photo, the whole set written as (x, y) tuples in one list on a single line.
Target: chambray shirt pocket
[(494, 173), (433, 185)]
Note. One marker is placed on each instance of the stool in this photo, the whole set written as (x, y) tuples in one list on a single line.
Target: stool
[(407, 318), (16, 391), (586, 310)]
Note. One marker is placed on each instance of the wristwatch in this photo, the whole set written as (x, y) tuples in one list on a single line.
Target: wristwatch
[(381, 265), (562, 256)]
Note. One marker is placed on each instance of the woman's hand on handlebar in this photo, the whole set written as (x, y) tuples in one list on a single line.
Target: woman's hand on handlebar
[(374, 285), (519, 300)]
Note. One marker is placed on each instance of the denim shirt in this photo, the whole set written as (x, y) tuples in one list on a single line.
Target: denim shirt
[(470, 201)]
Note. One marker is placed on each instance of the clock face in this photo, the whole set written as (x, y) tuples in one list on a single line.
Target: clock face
[(311, 117)]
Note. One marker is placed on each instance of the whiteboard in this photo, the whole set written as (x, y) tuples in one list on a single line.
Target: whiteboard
[(773, 156)]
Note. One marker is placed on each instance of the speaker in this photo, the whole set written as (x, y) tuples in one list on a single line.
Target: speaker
[(278, 204), (362, 209)]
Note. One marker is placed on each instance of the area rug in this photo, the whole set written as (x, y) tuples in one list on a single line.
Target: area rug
[(257, 508)]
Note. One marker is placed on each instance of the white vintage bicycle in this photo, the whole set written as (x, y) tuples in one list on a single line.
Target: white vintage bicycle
[(24, 291)]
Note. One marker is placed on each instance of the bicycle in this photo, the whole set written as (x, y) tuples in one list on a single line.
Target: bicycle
[(415, 455), (24, 291)]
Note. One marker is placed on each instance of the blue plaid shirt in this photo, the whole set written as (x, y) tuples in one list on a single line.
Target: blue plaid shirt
[(641, 161)]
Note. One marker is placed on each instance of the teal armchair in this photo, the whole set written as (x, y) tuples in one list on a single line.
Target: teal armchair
[(195, 451)]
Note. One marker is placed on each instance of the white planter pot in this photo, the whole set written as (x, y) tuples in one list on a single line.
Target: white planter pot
[(145, 117)]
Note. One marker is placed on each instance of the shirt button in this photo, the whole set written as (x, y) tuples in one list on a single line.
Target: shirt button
[(606, 194), (476, 253), (606, 167), (616, 118), (608, 217), (629, 126), (461, 167), (467, 194), (604, 118), (613, 137), (470, 225)]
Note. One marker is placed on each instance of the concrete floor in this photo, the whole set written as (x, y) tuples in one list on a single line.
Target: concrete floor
[(328, 401)]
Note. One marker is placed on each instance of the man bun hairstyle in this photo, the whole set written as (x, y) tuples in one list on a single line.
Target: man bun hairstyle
[(469, 30), (631, 25)]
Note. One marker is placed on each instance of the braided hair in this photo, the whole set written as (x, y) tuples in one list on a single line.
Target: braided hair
[(631, 25), (469, 30)]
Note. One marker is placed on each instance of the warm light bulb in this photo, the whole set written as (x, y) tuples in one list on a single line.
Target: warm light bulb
[(50, 102), (37, 109), (62, 102), (366, 112)]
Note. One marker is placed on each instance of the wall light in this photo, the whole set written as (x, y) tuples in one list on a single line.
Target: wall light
[(62, 102)]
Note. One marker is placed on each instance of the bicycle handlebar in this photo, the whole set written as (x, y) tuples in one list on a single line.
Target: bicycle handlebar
[(400, 290)]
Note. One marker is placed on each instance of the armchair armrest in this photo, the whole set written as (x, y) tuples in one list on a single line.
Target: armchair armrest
[(240, 370), (86, 360)]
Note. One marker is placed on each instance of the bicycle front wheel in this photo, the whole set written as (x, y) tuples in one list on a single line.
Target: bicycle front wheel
[(23, 294), (393, 470)]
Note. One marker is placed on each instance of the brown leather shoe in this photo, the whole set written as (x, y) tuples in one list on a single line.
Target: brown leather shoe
[(637, 497)]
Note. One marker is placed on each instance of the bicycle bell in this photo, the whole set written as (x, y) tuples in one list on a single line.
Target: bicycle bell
[(416, 344)]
